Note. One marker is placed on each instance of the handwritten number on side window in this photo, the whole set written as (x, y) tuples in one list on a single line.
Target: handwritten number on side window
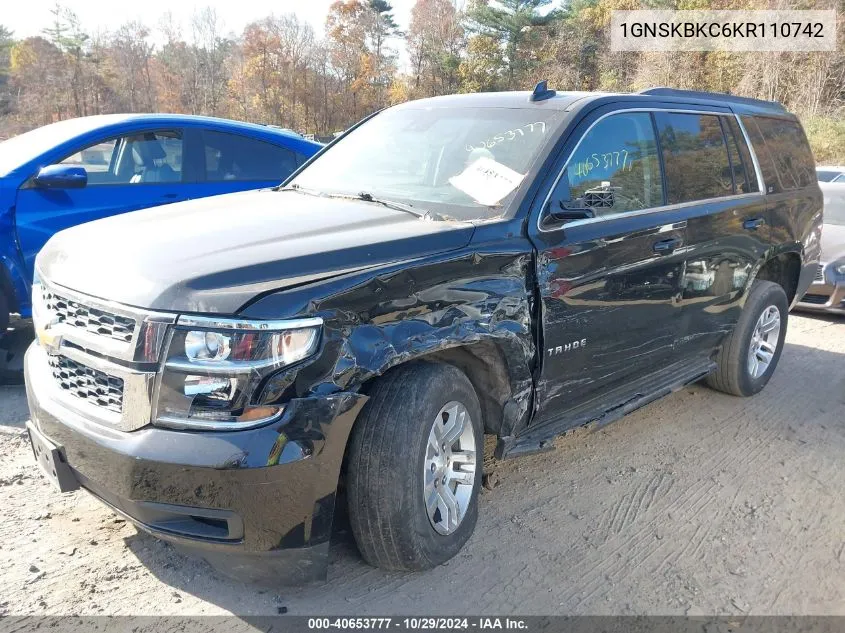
[(616, 160)]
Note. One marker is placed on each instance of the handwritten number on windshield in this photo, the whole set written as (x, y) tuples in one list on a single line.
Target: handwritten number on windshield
[(509, 135)]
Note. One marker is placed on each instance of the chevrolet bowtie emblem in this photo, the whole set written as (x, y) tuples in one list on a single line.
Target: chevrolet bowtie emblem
[(49, 339)]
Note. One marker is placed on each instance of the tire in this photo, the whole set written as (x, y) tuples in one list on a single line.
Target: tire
[(734, 368), (391, 459)]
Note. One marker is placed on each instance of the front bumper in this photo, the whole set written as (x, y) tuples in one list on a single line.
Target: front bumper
[(258, 503), (823, 296)]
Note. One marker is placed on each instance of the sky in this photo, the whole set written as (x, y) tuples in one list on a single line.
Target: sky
[(29, 17)]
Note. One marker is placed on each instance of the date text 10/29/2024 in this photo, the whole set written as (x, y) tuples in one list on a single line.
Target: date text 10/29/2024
[(419, 623)]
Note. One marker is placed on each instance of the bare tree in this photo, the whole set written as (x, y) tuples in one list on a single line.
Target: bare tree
[(130, 55), (436, 41), (278, 70), (210, 49)]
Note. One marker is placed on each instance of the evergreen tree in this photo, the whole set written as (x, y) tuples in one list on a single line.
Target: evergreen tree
[(510, 22)]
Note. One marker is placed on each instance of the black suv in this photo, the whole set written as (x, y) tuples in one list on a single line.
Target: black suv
[(515, 264)]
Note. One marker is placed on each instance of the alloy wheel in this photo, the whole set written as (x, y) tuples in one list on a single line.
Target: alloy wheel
[(764, 342), (450, 465)]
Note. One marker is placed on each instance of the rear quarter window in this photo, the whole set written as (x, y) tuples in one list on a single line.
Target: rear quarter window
[(783, 151)]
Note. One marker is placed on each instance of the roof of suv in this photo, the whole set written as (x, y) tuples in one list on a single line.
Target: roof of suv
[(512, 99), (566, 100)]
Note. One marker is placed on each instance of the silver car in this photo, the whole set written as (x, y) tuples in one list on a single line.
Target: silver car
[(827, 292), (835, 173)]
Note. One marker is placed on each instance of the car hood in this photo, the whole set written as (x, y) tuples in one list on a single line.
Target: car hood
[(216, 254)]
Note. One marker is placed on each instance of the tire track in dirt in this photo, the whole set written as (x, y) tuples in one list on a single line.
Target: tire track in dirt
[(751, 449), (646, 492), (683, 507)]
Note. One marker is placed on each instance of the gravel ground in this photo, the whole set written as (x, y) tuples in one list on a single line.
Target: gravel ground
[(698, 504)]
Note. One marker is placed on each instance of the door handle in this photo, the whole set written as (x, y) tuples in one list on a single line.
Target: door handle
[(752, 224), (664, 247)]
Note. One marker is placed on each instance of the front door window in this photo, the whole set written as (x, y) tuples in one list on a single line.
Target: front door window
[(615, 168), (139, 158)]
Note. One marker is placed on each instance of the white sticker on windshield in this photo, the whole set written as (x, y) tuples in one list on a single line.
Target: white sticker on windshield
[(487, 181)]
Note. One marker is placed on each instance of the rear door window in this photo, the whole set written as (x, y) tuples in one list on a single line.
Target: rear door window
[(736, 139), (615, 168), (238, 158), (764, 157), (695, 157), (737, 168)]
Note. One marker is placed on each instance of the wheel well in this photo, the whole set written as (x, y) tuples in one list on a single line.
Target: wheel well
[(487, 370), (783, 269)]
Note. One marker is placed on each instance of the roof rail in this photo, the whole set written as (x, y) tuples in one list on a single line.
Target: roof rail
[(713, 96)]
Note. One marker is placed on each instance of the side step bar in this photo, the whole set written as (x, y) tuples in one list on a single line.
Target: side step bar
[(607, 407)]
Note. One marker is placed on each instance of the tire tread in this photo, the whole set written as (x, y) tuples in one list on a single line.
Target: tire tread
[(730, 360), (382, 439)]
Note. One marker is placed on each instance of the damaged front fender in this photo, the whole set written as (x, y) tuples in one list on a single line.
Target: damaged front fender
[(472, 309)]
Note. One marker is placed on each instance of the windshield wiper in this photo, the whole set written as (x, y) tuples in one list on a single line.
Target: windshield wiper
[(365, 197), (298, 189), (390, 204)]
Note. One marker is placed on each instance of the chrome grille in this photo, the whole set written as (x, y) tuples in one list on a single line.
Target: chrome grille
[(820, 273), (87, 383), (90, 319)]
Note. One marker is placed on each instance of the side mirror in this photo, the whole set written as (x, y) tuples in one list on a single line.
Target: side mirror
[(562, 208), (568, 214), (61, 177)]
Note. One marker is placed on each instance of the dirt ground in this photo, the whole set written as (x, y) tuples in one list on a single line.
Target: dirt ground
[(698, 504)]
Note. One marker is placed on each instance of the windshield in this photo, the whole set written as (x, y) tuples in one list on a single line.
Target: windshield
[(827, 176), (23, 148), (461, 163)]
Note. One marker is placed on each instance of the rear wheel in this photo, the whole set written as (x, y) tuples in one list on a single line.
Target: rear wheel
[(414, 467), (751, 353)]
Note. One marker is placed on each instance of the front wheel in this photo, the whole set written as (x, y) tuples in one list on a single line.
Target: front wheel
[(414, 467), (750, 354)]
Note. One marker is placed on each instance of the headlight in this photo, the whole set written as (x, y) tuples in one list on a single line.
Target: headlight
[(839, 268), (213, 349), (213, 369)]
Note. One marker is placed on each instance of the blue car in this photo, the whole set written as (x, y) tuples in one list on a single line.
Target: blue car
[(84, 169)]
